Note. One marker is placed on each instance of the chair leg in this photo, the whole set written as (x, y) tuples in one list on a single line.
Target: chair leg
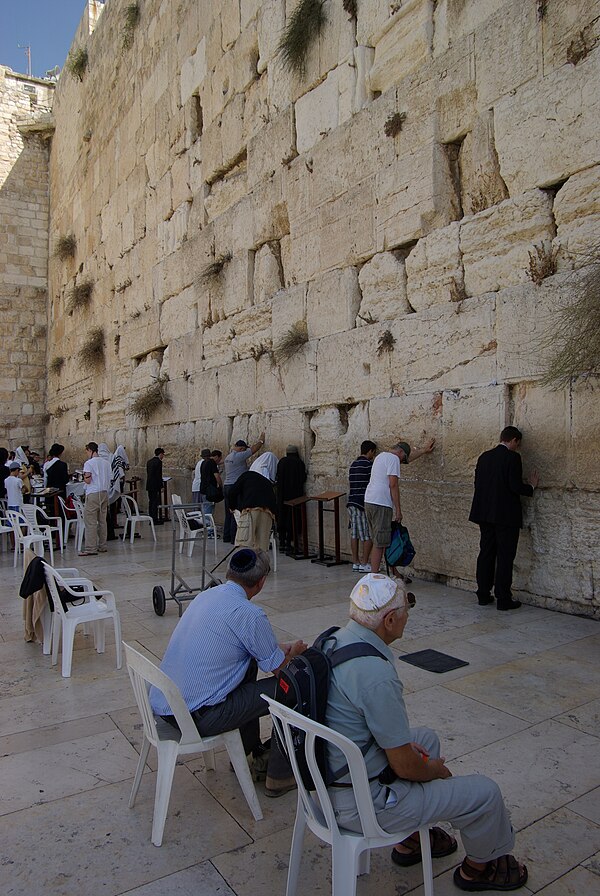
[(153, 530), (56, 633), (99, 635), (68, 636), (233, 742), (167, 759), (79, 532), (132, 530), (51, 550), (364, 862), (209, 760), (344, 868), (125, 528), (47, 629), (296, 852), (118, 641), (426, 862), (139, 771)]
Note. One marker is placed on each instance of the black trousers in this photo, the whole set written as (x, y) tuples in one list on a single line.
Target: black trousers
[(497, 551), (153, 502), (229, 524)]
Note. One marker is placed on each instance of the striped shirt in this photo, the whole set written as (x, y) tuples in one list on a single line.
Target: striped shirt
[(358, 477), (212, 645)]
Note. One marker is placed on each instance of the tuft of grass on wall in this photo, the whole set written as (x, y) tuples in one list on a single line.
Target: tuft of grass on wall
[(91, 353), (292, 342), (386, 343), (393, 125), (351, 7), (305, 25), (214, 269), (131, 18), (65, 246), (80, 295), (542, 263), (77, 63), (573, 340), (150, 400), (56, 364)]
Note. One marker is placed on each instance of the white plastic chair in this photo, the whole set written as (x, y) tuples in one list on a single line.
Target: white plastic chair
[(169, 744), (187, 535), (95, 611), (71, 577), (350, 851), (134, 517), (33, 540), (39, 521), (76, 521)]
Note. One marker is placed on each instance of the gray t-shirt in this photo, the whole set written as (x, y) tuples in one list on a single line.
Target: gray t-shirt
[(235, 465)]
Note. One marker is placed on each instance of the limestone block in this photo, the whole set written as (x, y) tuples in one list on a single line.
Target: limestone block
[(267, 272), (172, 233), (185, 355), (180, 181), (305, 244), (232, 138), (230, 22), (563, 25), (328, 428), (217, 342), (225, 193), (495, 244), (178, 315), (583, 469), (454, 20), (434, 269), (251, 332), (212, 151), (237, 279), (481, 184), (248, 11), (542, 416), (257, 112), (404, 46), (506, 51), (203, 395), (245, 60), (164, 202), (350, 369), (288, 385), (214, 46), (336, 40), (288, 307), (525, 316), (412, 417), (280, 86), (413, 196), (237, 388), (221, 84), (547, 130), (347, 227), (141, 335), (145, 374), (268, 212), (371, 20), (317, 112), (445, 347), (332, 303), (287, 428), (271, 147), (363, 60), (577, 213), (270, 25)]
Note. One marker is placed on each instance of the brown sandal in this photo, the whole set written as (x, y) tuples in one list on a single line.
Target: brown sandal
[(442, 844), (503, 873)]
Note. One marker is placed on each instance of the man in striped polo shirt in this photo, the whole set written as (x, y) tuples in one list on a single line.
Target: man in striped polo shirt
[(358, 478), (214, 655)]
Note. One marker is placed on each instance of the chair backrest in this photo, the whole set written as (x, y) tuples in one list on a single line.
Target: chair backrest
[(320, 811), (143, 673), (68, 511), (17, 521), (180, 515), (130, 505), (53, 581), (29, 511)]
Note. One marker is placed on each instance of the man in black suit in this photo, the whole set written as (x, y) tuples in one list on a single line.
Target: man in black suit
[(497, 509), (154, 483)]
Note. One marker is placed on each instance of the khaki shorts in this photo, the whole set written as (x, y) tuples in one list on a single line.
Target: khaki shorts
[(380, 524), (254, 529)]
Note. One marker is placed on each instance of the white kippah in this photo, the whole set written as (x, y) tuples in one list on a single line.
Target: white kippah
[(373, 592)]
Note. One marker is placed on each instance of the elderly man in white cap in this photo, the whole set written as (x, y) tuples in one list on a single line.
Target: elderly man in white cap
[(410, 782)]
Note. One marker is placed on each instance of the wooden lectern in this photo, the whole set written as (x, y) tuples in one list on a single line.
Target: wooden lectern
[(321, 499), (300, 503)]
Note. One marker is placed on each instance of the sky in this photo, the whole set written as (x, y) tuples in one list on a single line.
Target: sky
[(48, 26)]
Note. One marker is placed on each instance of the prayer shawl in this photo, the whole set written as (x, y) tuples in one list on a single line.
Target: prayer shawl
[(266, 465)]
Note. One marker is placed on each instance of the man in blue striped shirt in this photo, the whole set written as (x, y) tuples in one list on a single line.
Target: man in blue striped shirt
[(214, 655), (358, 480)]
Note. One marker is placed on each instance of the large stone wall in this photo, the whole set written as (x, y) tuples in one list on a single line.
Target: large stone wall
[(218, 201), (23, 258)]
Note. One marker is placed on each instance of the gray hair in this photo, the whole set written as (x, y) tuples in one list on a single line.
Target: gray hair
[(248, 578), (372, 619)]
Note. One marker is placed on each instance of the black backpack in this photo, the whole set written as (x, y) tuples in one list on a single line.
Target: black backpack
[(303, 685)]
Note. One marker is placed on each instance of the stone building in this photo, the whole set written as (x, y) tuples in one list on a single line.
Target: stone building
[(376, 247)]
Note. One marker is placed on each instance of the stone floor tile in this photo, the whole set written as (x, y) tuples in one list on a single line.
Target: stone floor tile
[(585, 717), (578, 882), (556, 841), (61, 733), (200, 880), (588, 805)]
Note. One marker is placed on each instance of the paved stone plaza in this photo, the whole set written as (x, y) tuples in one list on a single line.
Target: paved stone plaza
[(525, 711)]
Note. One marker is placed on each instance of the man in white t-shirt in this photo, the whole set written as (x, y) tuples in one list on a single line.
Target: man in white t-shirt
[(96, 474), (382, 495)]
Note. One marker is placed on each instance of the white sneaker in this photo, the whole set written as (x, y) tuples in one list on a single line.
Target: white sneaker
[(365, 567), (356, 567)]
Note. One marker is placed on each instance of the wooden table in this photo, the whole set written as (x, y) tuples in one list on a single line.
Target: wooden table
[(322, 499), (301, 503)]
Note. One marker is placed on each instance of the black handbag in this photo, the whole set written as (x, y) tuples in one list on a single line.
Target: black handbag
[(214, 493)]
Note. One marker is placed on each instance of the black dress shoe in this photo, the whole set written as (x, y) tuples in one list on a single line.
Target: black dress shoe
[(511, 605), (484, 601)]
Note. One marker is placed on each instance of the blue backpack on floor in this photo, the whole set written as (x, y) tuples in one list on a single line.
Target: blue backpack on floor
[(400, 551)]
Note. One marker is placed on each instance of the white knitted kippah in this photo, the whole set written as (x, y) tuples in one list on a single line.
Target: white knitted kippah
[(373, 592)]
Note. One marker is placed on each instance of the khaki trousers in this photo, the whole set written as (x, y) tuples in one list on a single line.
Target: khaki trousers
[(94, 515)]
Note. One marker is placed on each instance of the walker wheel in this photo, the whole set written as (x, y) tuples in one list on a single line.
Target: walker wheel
[(158, 600)]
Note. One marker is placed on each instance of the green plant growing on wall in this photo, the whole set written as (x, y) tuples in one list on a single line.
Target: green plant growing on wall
[(351, 7), (393, 125), (214, 269), (77, 63), (154, 397), (542, 263), (131, 18), (573, 340), (91, 353), (65, 247), (80, 295), (386, 343), (291, 342), (303, 28), (56, 364)]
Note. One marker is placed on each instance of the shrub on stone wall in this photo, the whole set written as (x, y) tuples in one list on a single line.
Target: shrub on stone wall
[(91, 353), (80, 295), (77, 63), (65, 246), (131, 18), (303, 28), (56, 364), (291, 342), (148, 402)]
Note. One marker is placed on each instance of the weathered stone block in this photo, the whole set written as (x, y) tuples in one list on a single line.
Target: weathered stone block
[(455, 20), (405, 44), (368, 373), (577, 213), (563, 26), (332, 303), (270, 25), (582, 453), (506, 51), (288, 385), (382, 282), (541, 415), (471, 419), (230, 22), (495, 244), (317, 112), (433, 269), (525, 316), (272, 147), (267, 272), (178, 315), (217, 343), (237, 388), (546, 131), (288, 307)]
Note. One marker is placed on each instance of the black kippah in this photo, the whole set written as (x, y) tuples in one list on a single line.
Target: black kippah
[(243, 561)]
